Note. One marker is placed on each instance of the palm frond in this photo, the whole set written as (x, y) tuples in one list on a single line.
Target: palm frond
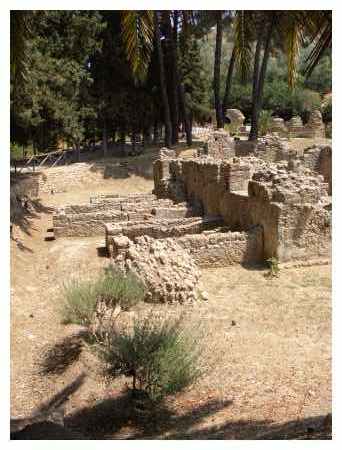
[(293, 39), (137, 37), (243, 42), (322, 40)]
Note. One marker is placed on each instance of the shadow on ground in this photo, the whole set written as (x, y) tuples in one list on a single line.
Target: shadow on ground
[(57, 358), (117, 419), (121, 417), (23, 212)]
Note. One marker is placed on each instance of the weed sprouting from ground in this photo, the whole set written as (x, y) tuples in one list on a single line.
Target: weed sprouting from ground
[(274, 269)]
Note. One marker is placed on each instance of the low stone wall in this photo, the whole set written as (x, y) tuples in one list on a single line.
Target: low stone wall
[(318, 158), (220, 249), (61, 179), (159, 229)]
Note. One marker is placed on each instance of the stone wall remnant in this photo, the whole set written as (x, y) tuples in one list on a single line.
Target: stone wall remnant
[(236, 119), (167, 270), (220, 145), (271, 197), (277, 125)]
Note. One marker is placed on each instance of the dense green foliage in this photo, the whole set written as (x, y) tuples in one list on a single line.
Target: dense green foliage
[(79, 77), (159, 355), (111, 288)]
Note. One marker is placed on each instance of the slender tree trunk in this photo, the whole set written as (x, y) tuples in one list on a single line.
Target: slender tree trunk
[(254, 118), (156, 135), (257, 100), (217, 70), (186, 120), (147, 137), (171, 42), (134, 142), (229, 81), (78, 151), (165, 100), (104, 139)]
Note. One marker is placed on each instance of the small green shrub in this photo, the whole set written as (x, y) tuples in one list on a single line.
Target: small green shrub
[(112, 288), (274, 269), (80, 302), (159, 355), (116, 288)]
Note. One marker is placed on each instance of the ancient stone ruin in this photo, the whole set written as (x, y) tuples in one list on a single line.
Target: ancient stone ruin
[(212, 210), (236, 119)]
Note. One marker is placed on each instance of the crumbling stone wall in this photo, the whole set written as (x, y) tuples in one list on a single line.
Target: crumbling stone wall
[(265, 198), (277, 125), (167, 270), (89, 220), (236, 119), (318, 158), (220, 249), (219, 145), (158, 228), (270, 148), (313, 129)]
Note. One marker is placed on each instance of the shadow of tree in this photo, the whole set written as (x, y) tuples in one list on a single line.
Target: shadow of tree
[(122, 418), (118, 418), (56, 359), (47, 421), (23, 211)]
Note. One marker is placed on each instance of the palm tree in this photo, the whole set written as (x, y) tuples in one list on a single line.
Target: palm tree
[(290, 27), (137, 36)]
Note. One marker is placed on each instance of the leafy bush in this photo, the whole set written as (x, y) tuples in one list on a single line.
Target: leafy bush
[(264, 121), (159, 355), (116, 288), (112, 288), (80, 302), (285, 103)]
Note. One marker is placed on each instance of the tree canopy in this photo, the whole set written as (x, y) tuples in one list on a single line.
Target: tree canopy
[(80, 76)]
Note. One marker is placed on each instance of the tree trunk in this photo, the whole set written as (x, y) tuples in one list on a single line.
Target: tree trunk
[(217, 70), (104, 139), (156, 135), (254, 118), (147, 137), (257, 101), (186, 120), (78, 151), (171, 35), (229, 81), (134, 142), (165, 100)]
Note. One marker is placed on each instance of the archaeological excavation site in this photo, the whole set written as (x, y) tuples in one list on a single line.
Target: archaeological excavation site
[(232, 202), (233, 236), (171, 216)]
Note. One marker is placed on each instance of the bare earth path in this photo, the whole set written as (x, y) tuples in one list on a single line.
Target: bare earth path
[(267, 345)]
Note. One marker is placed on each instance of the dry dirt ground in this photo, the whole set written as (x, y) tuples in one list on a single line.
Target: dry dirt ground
[(266, 346)]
